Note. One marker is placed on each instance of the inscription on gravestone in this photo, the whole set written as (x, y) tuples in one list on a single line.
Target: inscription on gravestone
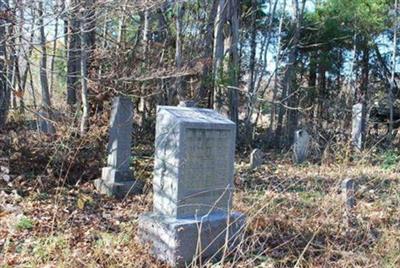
[(117, 178), (193, 184)]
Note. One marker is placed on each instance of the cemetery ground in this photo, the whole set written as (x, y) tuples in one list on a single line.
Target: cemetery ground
[(52, 216)]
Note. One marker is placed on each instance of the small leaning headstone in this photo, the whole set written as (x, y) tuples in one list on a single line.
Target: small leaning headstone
[(117, 178), (256, 158), (193, 187), (301, 146), (358, 125), (349, 199), (44, 125)]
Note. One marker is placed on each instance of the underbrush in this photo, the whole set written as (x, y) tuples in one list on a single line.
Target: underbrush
[(295, 213)]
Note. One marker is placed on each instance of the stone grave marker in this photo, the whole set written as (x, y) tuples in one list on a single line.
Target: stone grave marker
[(193, 185), (5, 169), (187, 103), (349, 199), (44, 125), (256, 158), (301, 146), (117, 178), (357, 131)]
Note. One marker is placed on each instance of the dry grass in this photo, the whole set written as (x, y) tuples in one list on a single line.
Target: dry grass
[(294, 218)]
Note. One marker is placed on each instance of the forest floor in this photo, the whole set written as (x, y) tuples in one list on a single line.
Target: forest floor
[(295, 217)]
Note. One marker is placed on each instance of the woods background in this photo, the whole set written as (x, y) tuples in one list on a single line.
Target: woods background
[(271, 66)]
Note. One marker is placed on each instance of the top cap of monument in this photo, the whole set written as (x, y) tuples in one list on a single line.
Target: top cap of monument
[(195, 115)]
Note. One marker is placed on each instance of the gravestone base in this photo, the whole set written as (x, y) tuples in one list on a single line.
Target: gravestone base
[(176, 241), (117, 184)]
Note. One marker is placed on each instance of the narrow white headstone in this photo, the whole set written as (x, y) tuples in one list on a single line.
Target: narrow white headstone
[(357, 132), (301, 146), (193, 184)]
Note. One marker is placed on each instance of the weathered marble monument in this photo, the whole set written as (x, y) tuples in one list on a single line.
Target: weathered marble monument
[(193, 185), (301, 146), (256, 158), (358, 126), (117, 178)]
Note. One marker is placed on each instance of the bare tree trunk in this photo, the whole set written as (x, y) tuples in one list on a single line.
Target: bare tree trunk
[(363, 92), (53, 57), (4, 89), (16, 49), (218, 54), (290, 76), (252, 63), (46, 102), (178, 52), (288, 96), (12, 56), (145, 38), (73, 59), (392, 78), (32, 89), (122, 28), (312, 86), (233, 96), (206, 76), (65, 20), (277, 63), (84, 72)]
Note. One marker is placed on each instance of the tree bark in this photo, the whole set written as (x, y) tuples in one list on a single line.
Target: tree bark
[(392, 77), (46, 101), (178, 52), (276, 78), (233, 96), (53, 57), (4, 89), (73, 59), (218, 54), (251, 84), (85, 45), (289, 96), (206, 76)]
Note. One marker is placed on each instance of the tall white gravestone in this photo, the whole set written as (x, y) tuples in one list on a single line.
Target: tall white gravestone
[(193, 185), (117, 178), (301, 146), (358, 125)]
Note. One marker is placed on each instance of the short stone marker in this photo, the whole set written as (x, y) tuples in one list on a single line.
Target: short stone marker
[(193, 185), (358, 125), (187, 103), (5, 169), (43, 124), (349, 199), (301, 146), (117, 179), (256, 158)]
